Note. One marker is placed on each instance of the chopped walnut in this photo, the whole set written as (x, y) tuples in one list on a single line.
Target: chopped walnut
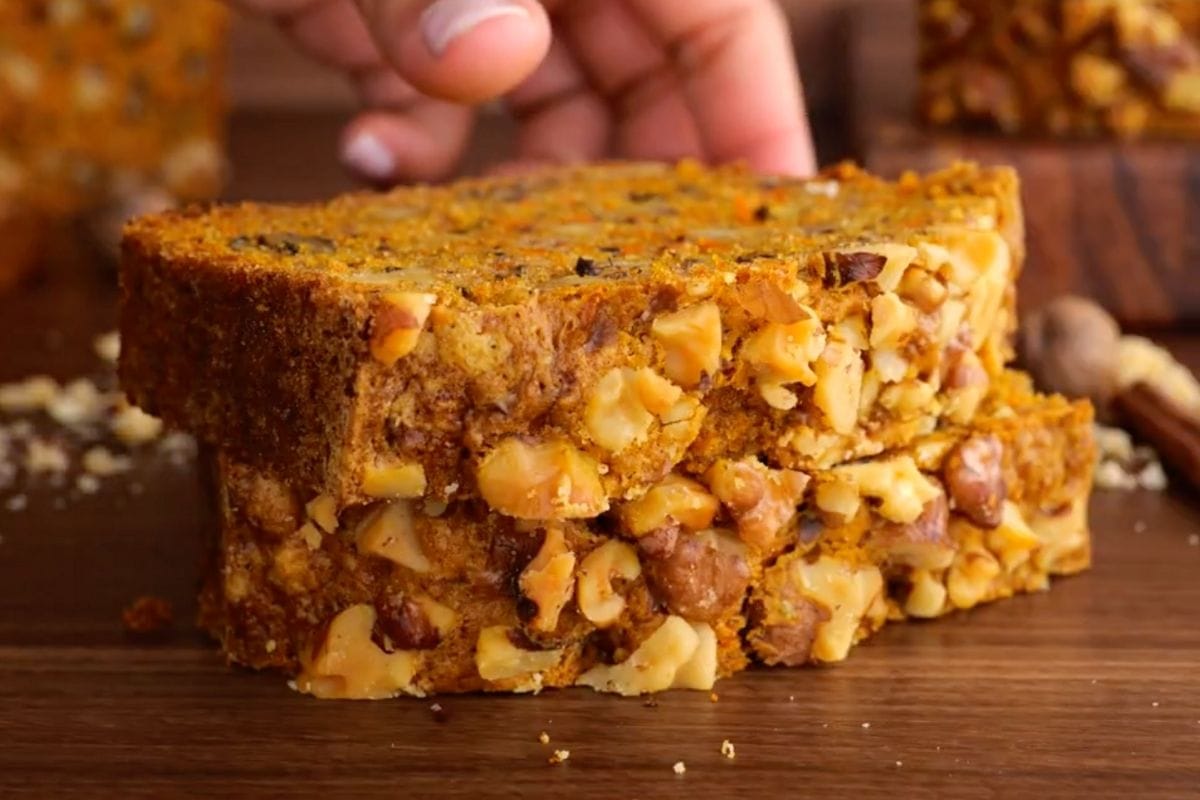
[(625, 403), (691, 343), (322, 510), (699, 577), (347, 664), (597, 598), (398, 323), (900, 488), (498, 659), (673, 499), (852, 595), (401, 480), (390, 532), (783, 354), (839, 383), (542, 480), (974, 476), (663, 661), (549, 579), (760, 500), (924, 543)]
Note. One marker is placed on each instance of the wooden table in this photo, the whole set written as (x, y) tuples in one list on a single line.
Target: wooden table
[(1092, 690)]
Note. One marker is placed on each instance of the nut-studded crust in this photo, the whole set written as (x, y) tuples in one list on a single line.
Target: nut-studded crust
[(460, 598), (103, 102), (1063, 67), (606, 324)]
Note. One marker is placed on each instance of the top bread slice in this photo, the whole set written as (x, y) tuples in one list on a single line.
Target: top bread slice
[(556, 340)]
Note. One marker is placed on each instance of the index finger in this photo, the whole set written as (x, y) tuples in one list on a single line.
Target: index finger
[(739, 74)]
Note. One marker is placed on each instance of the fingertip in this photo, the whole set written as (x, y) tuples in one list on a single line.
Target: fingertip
[(423, 143), (468, 51)]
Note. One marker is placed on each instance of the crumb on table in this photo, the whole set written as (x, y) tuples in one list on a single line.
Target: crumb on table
[(147, 614)]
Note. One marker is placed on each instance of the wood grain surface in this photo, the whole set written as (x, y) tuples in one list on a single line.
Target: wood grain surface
[(1091, 690), (1117, 222)]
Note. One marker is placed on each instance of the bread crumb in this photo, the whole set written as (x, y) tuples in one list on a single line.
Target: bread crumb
[(679, 768), (899, 763), (78, 403), (727, 750), (713, 697), (108, 346), (1194, 540), (1139, 526), (270, 646), (133, 426), (45, 456), (103, 462), (1152, 478), (18, 502), (544, 737), (29, 395), (88, 484), (560, 756), (147, 614), (866, 724), (1154, 704)]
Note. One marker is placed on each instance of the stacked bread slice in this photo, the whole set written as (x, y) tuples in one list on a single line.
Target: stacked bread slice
[(626, 426)]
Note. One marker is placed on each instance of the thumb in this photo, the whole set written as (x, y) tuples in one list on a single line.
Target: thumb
[(467, 51)]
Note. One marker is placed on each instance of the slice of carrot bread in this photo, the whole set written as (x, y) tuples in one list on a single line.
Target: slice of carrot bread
[(554, 341), (102, 101), (689, 583)]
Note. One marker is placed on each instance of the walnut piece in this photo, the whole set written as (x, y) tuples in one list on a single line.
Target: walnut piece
[(401, 480), (838, 389), (924, 543), (926, 595), (781, 354), (760, 500), (498, 659), (1071, 347), (597, 598), (974, 476), (691, 342), (397, 325), (549, 579), (900, 488), (541, 481), (322, 510), (676, 655), (390, 532), (701, 577), (625, 403), (1012, 539), (674, 499), (347, 664), (852, 596)]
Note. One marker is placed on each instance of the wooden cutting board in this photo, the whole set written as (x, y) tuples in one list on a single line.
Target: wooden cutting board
[(1117, 222)]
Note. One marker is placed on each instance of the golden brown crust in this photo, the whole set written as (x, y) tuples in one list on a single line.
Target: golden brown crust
[(428, 598), (639, 316)]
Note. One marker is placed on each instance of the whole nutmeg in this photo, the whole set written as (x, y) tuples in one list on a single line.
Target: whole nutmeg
[(1070, 347)]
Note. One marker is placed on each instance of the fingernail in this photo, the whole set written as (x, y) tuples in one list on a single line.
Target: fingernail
[(368, 156), (446, 20)]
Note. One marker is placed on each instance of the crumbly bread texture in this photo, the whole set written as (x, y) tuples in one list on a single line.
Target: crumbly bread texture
[(105, 101), (1063, 67), (691, 582), (556, 342)]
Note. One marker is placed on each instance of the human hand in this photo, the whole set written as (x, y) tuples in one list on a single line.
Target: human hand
[(585, 79)]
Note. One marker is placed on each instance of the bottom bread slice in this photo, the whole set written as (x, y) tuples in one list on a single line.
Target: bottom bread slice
[(692, 582)]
